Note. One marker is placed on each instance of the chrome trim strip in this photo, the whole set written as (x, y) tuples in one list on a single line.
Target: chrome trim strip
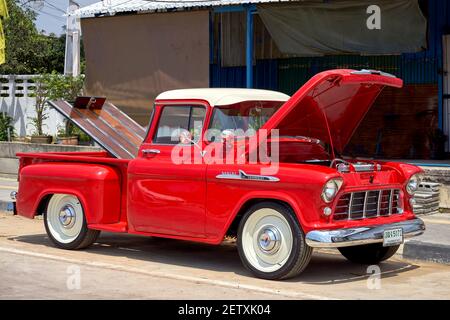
[(375, 72), (151, 151), (361, 208), (243, 176), (361, 235), (365, 204), (390, 202), (350, 205), (380, 196)]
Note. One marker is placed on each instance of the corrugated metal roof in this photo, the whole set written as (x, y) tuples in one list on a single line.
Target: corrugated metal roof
[(111, 7)]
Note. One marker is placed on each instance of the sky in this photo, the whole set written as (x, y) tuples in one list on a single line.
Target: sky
[(50, 16)]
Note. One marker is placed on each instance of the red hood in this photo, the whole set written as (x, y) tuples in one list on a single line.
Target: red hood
[(331, 105)]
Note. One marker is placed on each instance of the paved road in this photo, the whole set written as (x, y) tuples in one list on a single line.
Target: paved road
[(130, 267)]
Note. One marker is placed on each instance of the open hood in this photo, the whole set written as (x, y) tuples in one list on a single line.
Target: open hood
[(331, 105)]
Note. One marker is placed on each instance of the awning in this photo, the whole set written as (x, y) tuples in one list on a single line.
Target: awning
[(337, 27)]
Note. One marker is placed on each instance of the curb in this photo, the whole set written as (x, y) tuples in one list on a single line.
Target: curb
[(426, 251)]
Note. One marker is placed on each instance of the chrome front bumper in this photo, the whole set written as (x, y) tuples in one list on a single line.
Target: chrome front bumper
[(361, 235)]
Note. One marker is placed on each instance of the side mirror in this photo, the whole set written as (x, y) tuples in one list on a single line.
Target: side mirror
[(227, 135), (185, 137)]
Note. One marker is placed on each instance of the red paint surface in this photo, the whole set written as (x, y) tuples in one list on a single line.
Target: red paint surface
[(151, 195)]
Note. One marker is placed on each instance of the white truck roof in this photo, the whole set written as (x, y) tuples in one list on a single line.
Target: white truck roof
[(223, 96)]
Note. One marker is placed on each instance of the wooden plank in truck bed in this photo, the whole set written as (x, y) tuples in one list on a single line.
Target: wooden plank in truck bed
[(109, 127)]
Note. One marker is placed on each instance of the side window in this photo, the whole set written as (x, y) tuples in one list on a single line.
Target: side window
[(177, 119)]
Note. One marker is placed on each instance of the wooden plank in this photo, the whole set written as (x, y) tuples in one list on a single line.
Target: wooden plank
[(110, 128), (124, 119), (115, 124), (120, 137)]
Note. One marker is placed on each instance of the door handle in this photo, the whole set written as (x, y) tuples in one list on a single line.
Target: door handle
[(150, 151)]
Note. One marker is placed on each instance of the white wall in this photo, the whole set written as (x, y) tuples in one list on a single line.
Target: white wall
[(15, 100)]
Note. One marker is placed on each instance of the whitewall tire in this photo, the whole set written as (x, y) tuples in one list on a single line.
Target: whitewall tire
[(65, 223), (271, 242)]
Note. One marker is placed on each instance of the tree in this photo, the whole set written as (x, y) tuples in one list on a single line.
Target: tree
[(6, 127), (27, 50), (21, 35), (53, 86)]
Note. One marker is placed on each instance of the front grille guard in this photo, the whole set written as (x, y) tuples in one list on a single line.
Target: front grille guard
[(368, 204)]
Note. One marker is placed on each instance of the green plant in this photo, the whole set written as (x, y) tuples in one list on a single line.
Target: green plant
[(63, 87), (41, 108), (69, 129), (6, 127), (53, 86)]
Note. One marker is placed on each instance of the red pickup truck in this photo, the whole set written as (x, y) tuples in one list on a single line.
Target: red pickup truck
[(188, 184)]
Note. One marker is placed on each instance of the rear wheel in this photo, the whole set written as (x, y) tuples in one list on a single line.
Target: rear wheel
[(271, 243), (65, 223), (369, 253)]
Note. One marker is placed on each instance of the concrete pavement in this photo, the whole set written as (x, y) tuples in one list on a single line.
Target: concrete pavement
[(28, 278), (433, 246), (131, 267)]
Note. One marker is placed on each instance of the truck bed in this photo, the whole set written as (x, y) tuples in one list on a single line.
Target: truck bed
[(96, 157), (88, 157), (79, 160)]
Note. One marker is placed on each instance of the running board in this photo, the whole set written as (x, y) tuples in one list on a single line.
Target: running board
[(119, 227), (106, 124)]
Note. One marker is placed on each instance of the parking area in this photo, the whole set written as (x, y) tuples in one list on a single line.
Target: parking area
[(132, 267)]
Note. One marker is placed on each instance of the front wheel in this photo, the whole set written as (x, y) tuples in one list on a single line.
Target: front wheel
[(66, 225), (271, 243), (369, 253)]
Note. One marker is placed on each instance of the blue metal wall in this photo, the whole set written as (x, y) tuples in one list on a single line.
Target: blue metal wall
[(265, 76), (289, 74)]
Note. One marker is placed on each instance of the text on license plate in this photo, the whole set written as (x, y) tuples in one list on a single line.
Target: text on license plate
[(392, 237)]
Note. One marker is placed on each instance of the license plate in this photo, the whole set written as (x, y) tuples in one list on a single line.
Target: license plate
[(392, 237)]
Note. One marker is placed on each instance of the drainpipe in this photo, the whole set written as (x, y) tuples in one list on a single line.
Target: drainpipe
[(73, 32), (249, 46)]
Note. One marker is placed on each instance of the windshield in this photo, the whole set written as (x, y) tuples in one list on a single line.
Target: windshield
[(247, 116)]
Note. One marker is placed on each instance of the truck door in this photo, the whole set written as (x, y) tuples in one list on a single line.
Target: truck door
[(167, 181)]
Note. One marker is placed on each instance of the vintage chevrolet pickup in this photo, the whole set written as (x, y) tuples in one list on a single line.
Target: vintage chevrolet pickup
[(180, 186)]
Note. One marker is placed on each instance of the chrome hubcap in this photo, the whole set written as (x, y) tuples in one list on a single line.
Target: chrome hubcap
[(269, 240), (67, 216)]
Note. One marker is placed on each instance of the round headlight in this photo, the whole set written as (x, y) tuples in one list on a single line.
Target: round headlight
[(330, 189), (413, 184)]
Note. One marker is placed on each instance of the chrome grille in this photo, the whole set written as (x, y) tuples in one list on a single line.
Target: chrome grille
[(368, 204)]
